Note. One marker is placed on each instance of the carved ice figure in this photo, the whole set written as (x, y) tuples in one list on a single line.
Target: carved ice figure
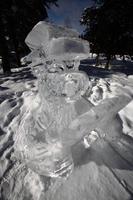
[(38, 141), (45, 135)]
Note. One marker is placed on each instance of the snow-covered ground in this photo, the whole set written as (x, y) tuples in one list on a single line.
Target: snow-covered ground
[(102, 172)]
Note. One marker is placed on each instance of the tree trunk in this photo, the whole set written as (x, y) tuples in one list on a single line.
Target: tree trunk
[(108, 61), (4, 50), (14, 38), (97, 60), (5, 56), (123, 58)]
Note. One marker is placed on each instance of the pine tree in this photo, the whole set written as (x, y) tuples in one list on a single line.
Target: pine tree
[(109, 27), (17, 18)]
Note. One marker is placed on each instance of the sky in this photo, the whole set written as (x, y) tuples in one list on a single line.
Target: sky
[(69, 11)]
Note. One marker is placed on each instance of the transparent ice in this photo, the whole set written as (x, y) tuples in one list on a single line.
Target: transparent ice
[(60, 45), (39, 139)]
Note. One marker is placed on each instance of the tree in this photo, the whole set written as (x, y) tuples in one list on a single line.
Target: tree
[(17, 19), (109, 27), (4, 51)]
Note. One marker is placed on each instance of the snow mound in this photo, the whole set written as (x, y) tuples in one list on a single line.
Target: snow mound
[(101, 89)]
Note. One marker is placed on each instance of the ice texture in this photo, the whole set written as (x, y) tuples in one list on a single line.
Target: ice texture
[(68, 49), (55, 43), (34, 56), (43, 32), (38, 142)]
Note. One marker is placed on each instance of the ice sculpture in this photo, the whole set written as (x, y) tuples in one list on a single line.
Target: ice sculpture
[(45, 135), (38, 142)]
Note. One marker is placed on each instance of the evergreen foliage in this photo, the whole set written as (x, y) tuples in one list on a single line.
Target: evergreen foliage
[(109, 27), (17, 17)]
